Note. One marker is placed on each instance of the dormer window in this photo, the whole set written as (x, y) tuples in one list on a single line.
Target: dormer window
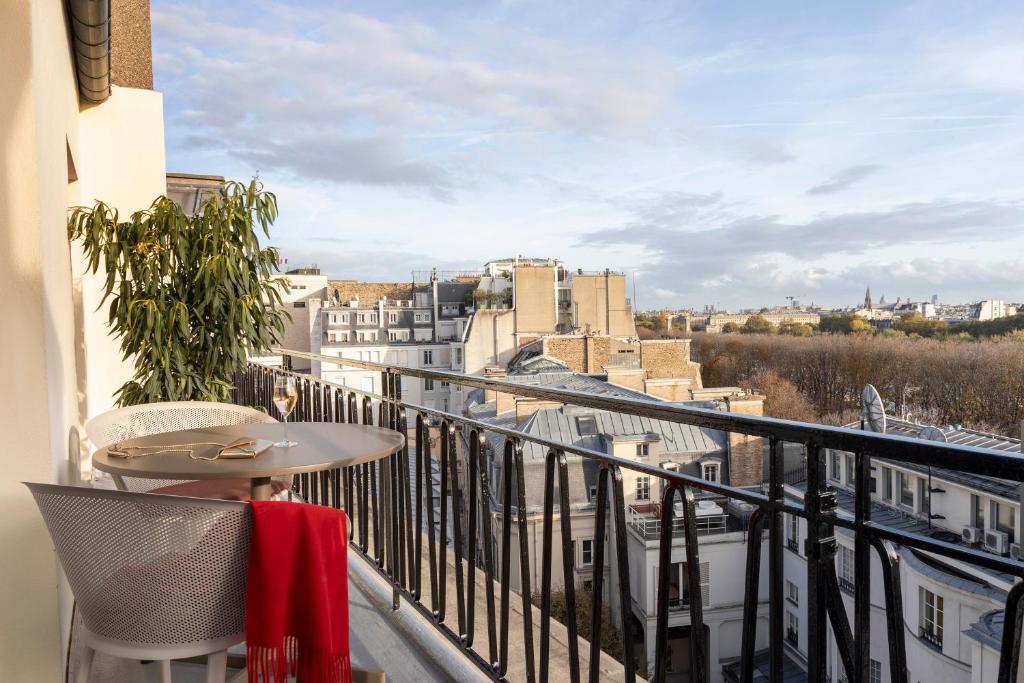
[(587, 424), (711, 471), (643, 450)]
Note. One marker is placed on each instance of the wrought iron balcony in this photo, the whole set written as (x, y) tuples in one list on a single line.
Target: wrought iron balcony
[(397, 506)]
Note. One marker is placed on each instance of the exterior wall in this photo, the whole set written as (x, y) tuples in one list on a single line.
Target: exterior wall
[(131, 45), (303, 300), (725, 555), (121, 162), (746, 462), (535, 304), (53, 155), (624, 377), (599, 304), (367, 292), (582, 353), (491, 340), (404, 355), (668, 389), (669, 358)]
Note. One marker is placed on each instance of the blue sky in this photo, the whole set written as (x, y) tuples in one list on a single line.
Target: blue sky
[(727, 153)]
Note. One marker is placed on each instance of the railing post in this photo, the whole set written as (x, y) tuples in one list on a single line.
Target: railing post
[(776, 494), (862, 571), (820, 549)]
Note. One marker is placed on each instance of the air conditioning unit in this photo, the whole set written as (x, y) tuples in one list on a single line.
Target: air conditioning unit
[(1015, 551), (996, 542), (971, 534)]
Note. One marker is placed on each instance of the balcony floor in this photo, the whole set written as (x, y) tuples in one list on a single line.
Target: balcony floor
[(373, 640)]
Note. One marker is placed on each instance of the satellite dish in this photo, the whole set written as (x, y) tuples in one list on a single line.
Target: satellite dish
[(872, 410), (932, 434)]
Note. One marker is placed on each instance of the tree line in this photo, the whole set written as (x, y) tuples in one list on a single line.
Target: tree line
[(978, 384)]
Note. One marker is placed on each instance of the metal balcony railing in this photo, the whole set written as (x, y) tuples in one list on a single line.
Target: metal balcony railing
[(646, 521), (392, 503)]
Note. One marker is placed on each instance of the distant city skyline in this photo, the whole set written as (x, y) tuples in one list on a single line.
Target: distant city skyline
[(725, 153)]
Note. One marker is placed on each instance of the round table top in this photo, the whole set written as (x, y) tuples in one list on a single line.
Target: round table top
[(321, 446)]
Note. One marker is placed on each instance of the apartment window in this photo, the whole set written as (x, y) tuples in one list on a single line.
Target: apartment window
[(593, 492), (444, 385), (362, 317), (428, 385), (875, 672), (792, 628), (392, 317), (977, 511), (1003, 519), (458, 358), (679, 584), (710, 471), (299, 304), (851, 477), (906, 491), (923, 494), (792, 592), (793, 534), (643, 450), (887, 483), (428, 357), (931, 616), (643, 488), (844, 567), (834, 468), (587, 554)]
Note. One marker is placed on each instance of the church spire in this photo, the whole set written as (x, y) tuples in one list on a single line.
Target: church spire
[(867, 299)]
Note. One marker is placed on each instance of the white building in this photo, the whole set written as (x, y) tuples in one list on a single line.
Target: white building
[(952, 611), (990, 309)]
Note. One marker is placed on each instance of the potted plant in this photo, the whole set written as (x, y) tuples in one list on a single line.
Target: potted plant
[(190, 296)]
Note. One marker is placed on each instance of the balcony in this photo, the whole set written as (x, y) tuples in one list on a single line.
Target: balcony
[(451, 478), (646, 520)]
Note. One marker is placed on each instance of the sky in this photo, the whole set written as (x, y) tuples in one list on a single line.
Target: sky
[(722, 153)]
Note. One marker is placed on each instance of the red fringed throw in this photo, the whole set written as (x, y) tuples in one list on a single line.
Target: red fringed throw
[(296, 600)]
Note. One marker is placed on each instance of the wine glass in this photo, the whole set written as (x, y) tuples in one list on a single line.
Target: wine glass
[(285, 397)]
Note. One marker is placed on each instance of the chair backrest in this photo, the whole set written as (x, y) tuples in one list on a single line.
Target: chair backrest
[(151, 570), (156, 418)]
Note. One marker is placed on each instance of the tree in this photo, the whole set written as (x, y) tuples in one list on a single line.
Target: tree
[(782, 398), (730, 328), (795, 329), (845, 323), (915, 323), (190, 296), (757, 324)]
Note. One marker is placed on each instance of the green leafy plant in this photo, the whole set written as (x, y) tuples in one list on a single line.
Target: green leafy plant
[(190, 296)]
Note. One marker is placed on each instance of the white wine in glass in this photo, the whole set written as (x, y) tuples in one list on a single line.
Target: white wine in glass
[(285, 397)]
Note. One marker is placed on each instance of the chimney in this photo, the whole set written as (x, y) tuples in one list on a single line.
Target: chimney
[(746, 453)]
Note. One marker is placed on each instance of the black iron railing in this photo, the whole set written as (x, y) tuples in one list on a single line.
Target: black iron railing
[(395, 510)]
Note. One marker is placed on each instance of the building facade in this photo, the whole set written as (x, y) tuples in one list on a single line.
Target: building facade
[(952, 611)]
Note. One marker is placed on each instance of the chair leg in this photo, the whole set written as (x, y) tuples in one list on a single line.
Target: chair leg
[(165, 671), (84, 664), (217, 667)]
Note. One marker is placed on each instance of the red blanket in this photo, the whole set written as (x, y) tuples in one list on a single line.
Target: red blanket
[(296, 601)]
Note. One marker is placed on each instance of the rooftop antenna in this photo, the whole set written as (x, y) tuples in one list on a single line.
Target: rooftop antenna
[(930, 433), (872, 410)]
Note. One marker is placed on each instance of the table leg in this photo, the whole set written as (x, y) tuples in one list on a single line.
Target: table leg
[(260, 488)]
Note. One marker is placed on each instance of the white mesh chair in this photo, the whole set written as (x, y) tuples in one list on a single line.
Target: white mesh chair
[(155, 577), (157, 418)]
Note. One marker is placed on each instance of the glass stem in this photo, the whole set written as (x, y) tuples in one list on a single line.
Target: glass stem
[(286, 429)]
